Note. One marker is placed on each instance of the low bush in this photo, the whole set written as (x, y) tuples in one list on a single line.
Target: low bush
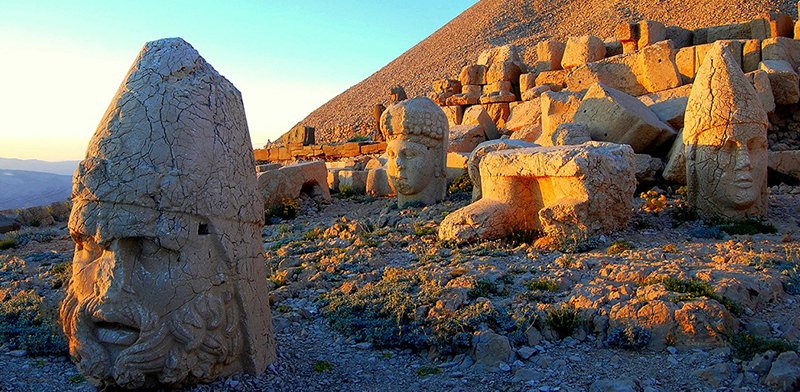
[(542, 285), (460, 184), (746, 346), (564, 320), (26, 323), (748, 227), (618, 247), (630, 337), (286, 209)]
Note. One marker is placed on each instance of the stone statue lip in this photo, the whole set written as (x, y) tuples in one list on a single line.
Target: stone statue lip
[(744, 180), (115, 329)]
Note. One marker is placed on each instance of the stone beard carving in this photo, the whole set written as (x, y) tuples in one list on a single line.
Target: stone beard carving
[(725, 141), (416, 130), (168, 275)]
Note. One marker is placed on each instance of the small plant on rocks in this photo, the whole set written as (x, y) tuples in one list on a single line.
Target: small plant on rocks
[(428, 371), (7, 243), (482, 288), (322, 366), (630, 337), (564, 320), (26, 323), (618, 247), (543, 285), (460, 184), (654, 201), (746, 346), (286, 209)]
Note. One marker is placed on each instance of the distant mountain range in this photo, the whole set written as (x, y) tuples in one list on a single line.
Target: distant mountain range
[(34, 165), (23, 189)]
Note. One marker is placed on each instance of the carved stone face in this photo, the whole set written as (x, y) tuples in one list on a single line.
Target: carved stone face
[(732, 167), (411, 166), (146, 310)]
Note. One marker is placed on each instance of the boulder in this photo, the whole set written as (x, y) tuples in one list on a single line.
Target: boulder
[(477, 115), (613, 116), (669, 105), (533, 93), (784, 375), (525, 115), (785, 162), (464, 138), (645, 71), (490, 349), (354, 181), (783, 80), (528, 134), (760, 81), (8, 224), (507, 71), (501, 96), (289, 181), (562, 191), (474, 74), (527, 81), (499, 113), (558, 108), (473, 164), (377, 183), (555, 80), (454, 115), (781, 48), (566, 134), (582, 50), (550, 54)]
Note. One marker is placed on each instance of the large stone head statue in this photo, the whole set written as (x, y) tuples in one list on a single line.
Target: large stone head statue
[(416, 130), (168, 281), (725, 139)]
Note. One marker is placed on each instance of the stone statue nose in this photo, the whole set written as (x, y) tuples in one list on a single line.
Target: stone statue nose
[(114, 274), (742, 158)]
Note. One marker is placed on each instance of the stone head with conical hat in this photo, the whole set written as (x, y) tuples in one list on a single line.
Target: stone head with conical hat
[(168, 281)]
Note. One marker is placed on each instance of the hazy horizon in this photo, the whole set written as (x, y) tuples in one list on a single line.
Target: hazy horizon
[(64, 62)]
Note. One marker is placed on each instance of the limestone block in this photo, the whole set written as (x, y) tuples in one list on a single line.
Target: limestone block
[(645, 71), (167, 221), (333, 180), (417, 134), (651, 32), (700, 36), (669, 105), (454, 115), (440, 98), (558, 108), (288, 182), (464, 138), (300, 135), (760, 81), (549, 53), (560, 191), (525, 115), (729, 31), (477, 114), (679, 36), (470, 95), (534, 93), (685, 61), (377, 183), (267, 167), (647, 168), (499, 113), (760, 29), (498, 97), (376, 162), (527, 81), (474, 74), (780, 25), (444, 86), (626, 32), (784, 81), (582, 50), (629, 46), (528, 134), (555, 80), (725, 140), (734, 47), (456, 164), (751, 55), (785, 162), (501, 54), (506, 71), (497, 86), (566, 134), (613, 47), (473, 163), (781, 48), (353, 180), (675, 168), (613, 116)]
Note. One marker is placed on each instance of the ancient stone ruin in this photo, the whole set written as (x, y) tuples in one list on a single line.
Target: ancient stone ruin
[(167, 224)]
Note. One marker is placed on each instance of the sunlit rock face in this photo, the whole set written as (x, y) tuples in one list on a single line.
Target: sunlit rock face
[(168, 282), (725, 141), (416, 131)]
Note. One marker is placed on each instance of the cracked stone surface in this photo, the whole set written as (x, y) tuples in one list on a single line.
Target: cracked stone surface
[(725, 141), (168, 269), (560, 191), (416, 130)]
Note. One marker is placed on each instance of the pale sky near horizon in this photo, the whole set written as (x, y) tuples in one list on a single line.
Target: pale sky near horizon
[(62, 61)]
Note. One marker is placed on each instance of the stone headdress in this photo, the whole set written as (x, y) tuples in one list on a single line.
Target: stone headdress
[(419, 120)]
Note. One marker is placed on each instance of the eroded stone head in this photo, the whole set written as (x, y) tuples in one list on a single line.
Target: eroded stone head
[(416, 130), (167, 283), (725, 140)]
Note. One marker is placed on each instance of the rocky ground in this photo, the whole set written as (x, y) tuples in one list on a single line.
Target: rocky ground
[(364, 297)]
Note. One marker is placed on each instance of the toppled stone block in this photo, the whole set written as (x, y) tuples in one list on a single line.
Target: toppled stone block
[(527, 81), (679, 36), (454, 114), (534, 93), (550, 53), (645, 71), (566, 134), (525, 115), (473, 164), (442, 86), (474, 74), (781, 48), (614, 116), (785, 162), (300, 135), (499, 113), (583, 50), (669, 105), (783, 80), (728, 32), (464, 138), (528, 134), (613, 47), (685, 61), (751, 55), (456, 164), (377, 183), (555, 80), (760, 81), (650, 32), (355, 181), (290, 181), (560, 191), (784, 374), (470, 95), (477, 115), (558, 108), (497, 86), (647, 168), (675, 168), (506, 71), (501, 96)]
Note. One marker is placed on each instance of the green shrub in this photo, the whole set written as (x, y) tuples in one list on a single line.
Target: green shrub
[(286, 209), (564, 320), (746, 346), (428, 370), (7, 243), (618, 247), (27, 324), (60, 274), (322, 366), (422, 229), (543, 285), (747, 226), (631, 337), (346, 191), (482, 288), (359, 138), (693, 289), (460, 184)]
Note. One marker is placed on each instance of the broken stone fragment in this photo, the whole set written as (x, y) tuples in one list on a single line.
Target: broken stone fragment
[(525, 115), (377, 183), (582, 50), (550, 53), (474, 74), (650, 32), (783, 80), (558, 108), (506, 71), (290, 181), (669, 105), (473, 165), (477, 114), (464, 138), (761, 83)]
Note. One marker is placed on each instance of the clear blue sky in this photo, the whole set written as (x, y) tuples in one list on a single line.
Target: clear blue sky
[(63, 60)]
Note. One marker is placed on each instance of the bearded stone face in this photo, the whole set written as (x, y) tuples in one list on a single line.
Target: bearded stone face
[(148, 310)]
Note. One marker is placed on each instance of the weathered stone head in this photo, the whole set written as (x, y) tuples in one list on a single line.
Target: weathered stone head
[(168, 279), (416, 130), (725, 141)]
